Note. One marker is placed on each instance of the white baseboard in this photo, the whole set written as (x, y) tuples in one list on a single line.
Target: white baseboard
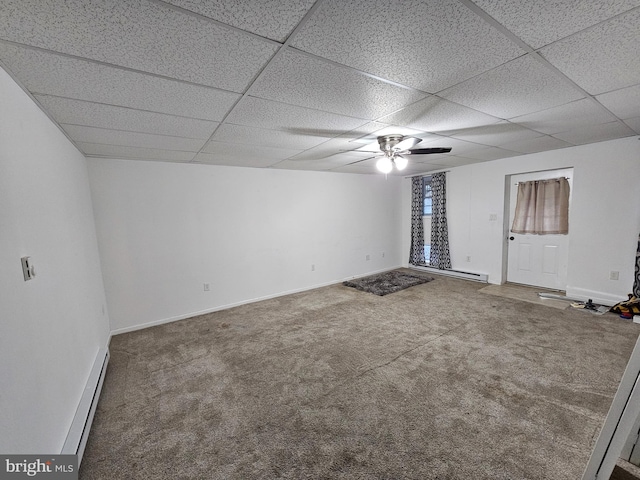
[(154, 323), (601, 298), (478, 277), (81, 425)]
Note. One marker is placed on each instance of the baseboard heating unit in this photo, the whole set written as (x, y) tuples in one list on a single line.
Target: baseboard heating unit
[(81, 424), (478, 277)]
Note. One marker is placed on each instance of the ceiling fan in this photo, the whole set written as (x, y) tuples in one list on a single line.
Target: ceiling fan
[(396, 147)]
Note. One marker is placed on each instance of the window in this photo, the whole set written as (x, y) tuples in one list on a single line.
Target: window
[(426, 219), (426, 182)]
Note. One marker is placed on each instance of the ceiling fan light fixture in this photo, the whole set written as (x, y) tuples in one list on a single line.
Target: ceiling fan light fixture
[(400, 162), (385, 165)]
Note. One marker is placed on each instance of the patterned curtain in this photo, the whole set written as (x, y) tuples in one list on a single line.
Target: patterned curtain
[(440, 257), (416, 253), (636, 283)]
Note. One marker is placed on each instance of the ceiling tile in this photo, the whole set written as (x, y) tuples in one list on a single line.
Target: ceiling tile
[(539, 144), (434, 114), (140, 35), (273, 19), (300, 79), (132, 139), (52, 74), (596, 133), (327, 163), (258, 112), (624, 103), (634, 123), (454, 161), (78, 112), (458, 147), (491, 153), (496, 134), (516, 88), (118, 151), (540, 22), (429, 45), (602, 58), (571, 116), (264, 137), (260, 155)]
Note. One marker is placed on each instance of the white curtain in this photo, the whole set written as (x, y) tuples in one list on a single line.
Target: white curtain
[(542, 207)]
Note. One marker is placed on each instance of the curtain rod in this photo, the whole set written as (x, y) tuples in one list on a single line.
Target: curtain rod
[(427, 174), (544, 180)]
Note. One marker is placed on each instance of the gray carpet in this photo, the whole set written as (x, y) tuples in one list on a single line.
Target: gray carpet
[(387, 282), (436, 381)]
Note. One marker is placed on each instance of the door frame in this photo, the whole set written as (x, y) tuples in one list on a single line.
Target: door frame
[(508, 179)]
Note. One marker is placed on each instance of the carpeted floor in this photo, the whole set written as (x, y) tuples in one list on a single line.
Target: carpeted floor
[(437, 381)]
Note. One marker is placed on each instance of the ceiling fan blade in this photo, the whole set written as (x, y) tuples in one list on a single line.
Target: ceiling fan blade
[(427, 151), (406, 143)]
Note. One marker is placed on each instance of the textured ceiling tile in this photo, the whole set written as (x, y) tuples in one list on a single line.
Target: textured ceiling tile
[(235, 160), (458, 147), (455, 161), (433, 114), (223, 151), (67, 77), (264, 137), (273, 19), (306, 81), (132, 139), (570, 116), (516, 88), (428, 45), (624, 103), (539, 144), (634, 123), (262, 113), (322, 164), (602, 58), (491, 153), (540, 22), (78, 112), (496, 134), (596, 133), (118, 151), (141, 35)]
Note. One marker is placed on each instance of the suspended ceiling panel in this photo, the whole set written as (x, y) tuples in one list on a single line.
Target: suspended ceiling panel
[(427, 45), (309, 85), (541, 22)]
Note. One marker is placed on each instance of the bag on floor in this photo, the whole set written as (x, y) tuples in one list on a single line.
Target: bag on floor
[(628, 308)]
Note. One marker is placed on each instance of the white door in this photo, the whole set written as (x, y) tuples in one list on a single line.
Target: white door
[(538, 260)]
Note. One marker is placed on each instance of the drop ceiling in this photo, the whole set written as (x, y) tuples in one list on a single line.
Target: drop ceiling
[(298, 84)]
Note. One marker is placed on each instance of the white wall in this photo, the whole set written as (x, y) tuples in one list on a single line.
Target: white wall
[(53, 325), (166, 229), (604, 217)]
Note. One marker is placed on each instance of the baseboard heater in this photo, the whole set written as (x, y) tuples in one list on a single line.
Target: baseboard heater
[(81, 424), (478, 277)]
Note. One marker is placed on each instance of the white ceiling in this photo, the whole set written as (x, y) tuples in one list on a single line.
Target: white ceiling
[(298, 84)]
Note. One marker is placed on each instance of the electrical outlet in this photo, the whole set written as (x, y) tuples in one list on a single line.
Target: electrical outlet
[(468, 258), (493, 217), (313, 267), (367, 258), (613, 275), (206, 287), (382, 254)]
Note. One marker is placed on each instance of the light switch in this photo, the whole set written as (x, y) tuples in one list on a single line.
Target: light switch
[(28, 270)]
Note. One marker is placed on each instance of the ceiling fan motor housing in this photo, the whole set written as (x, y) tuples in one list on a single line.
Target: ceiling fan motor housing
[(388, 142)]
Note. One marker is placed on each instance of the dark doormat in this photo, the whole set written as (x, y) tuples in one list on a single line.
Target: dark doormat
[(388, 282)]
